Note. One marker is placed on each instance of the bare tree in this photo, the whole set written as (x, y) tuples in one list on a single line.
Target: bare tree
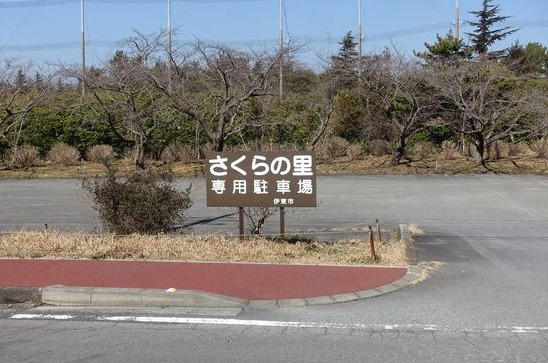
[(488, 102), (123, 92), (257, 216), (397, 89), (218, 88), (18, 96)]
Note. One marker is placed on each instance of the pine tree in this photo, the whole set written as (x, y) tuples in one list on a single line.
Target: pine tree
[(447, 49), (343, 65), (484, 35)]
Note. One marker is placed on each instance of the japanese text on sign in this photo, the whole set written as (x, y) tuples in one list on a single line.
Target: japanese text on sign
[(261, 179)]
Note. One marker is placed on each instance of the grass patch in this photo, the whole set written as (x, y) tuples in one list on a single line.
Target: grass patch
[(365, 165), (55, 245)]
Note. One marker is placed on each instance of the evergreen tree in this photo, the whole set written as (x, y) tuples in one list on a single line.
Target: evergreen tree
[(529, 59), (447, 49), (347, 52), (21, 80), (344, 64), (484, 34)]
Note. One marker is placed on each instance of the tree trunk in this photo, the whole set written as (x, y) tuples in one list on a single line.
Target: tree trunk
[(479, 155), (140, 154), (400, 151), (218, 144)]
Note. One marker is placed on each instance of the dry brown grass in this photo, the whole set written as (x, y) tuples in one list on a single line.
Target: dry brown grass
[(364, 165), (26, 156), (436, 164), (51, 244), (100, 154), (63, 154), (86, 169)]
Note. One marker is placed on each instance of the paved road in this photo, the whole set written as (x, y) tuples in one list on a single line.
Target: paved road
[(486, 303), (84, 341)]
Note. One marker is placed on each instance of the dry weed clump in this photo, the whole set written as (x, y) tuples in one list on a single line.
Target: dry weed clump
[(449, 150), (174, 153), (354, 152), (497, 150), (100, 154), (540, 148), (378, 148), (518, 149), (63, 154), (333, 147), (25, 156), (52, 244), (423, 149)]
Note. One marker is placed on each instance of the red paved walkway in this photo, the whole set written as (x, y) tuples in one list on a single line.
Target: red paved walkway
[(244, 281)]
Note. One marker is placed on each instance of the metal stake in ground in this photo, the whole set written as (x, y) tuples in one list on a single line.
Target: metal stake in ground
[(372, 244)]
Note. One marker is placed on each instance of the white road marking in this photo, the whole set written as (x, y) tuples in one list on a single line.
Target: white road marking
[(42, 317), (279, 324)]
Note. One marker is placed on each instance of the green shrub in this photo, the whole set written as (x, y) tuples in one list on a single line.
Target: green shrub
[(146, 202)]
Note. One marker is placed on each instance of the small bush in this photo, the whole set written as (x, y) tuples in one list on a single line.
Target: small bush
[(331, 148), (540, 148), (100, 154), (424, 149), (25, 156), (448, 149), (176, 153), (145, 202), (63, 154), (257, 216), (517, 149), (378, 148), (336, 147), (497, 150), (354, 151)]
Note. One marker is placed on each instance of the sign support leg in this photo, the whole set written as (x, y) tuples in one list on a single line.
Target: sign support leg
[(282, 222), (241, 222)]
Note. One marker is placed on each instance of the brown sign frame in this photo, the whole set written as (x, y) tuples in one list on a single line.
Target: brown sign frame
[(261, 179)]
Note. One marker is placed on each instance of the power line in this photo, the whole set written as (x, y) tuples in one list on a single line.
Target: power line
[(58, 46), (39, 3), (400, 33)]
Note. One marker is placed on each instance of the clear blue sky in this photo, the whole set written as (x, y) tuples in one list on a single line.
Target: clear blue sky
[(49, 30)]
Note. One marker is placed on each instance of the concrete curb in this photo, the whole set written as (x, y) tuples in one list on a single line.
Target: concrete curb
[(130, 297), (409, 242), (125, 297)]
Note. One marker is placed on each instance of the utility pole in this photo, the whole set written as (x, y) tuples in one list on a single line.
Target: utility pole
[(360, 28), (169, 45), (280, 48), (83, 48), (457, 37), (457, 20)]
